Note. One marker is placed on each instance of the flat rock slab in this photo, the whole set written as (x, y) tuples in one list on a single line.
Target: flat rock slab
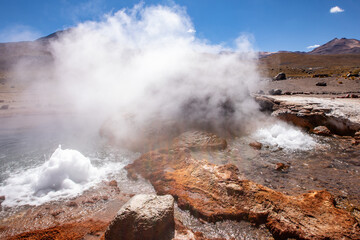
[(216, 193)]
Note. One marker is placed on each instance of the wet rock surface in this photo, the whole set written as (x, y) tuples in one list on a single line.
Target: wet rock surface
[(84, 217), (340, 117), (322, 130), (218, 192), (198, 140), (255, 145)]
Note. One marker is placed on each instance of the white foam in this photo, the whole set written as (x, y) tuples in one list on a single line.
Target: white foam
[(66, 174), (284, 136)]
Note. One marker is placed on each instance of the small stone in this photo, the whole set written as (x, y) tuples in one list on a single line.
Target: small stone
[(275, 92), (113, 183), (355, 142), (304, 111), (56, 213), (2, 198), (322, 130), (255, 145), (281, 167), (72, 204), (280, 76), (321, 84)]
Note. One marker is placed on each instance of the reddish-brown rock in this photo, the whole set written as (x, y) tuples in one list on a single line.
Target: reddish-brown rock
[(113, 183), (322, 130), (281, 166), (68, 231), (256, 145), (216, 193)]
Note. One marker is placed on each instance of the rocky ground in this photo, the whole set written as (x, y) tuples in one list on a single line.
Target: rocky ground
[(335, 86), (313, 195)]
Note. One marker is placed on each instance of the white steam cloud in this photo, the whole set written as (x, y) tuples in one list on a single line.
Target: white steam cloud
[(142, 70)]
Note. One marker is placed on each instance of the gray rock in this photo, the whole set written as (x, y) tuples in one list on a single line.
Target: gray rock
[(321, 84), (265, 104), (3, 107), (275, 92), (144, 217), (280, 76)]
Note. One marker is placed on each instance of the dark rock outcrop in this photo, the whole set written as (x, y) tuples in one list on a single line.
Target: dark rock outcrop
[(275, 92), (144, 217), (280, 76), (265, 104)]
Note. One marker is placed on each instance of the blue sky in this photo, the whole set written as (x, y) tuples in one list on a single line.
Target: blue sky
[(274, 25)]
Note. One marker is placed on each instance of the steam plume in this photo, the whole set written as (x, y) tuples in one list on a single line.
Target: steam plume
[(144, 68)]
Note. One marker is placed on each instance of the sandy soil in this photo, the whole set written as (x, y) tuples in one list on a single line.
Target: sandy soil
[(308, 85), (20, 99)]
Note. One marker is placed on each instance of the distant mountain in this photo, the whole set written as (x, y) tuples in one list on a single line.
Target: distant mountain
[(52, 36), (338, 46)]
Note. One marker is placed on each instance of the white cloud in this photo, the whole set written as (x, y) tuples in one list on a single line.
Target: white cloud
[(191, 30), (313, 46), (18, 33), (336, 9)]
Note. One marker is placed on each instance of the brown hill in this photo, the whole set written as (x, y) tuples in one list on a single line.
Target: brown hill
[(338, 46)]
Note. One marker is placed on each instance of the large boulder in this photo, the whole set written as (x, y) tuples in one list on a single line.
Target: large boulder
[(144, 217)]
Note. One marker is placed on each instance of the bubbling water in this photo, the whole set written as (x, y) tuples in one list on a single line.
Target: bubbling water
[(66, 174), (282, 135)]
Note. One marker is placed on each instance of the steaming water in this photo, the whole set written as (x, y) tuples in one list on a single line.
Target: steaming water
[(281, 135), (66, 174), (33, 171)]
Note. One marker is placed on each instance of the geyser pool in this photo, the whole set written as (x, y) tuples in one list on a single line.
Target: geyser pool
[(282, 135), (66, 174)]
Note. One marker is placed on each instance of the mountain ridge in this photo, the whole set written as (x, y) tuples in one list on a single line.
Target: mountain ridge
[(338, 46)]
